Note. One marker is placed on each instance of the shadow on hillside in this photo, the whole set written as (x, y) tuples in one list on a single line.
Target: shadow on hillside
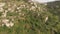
[(54, 8)]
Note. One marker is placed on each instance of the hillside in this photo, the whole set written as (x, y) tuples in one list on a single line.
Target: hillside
[(23, 17)]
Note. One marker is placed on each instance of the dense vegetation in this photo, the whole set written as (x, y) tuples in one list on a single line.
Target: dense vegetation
[(30, 18)]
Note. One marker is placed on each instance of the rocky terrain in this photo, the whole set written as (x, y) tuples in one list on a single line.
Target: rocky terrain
[(23, 17)]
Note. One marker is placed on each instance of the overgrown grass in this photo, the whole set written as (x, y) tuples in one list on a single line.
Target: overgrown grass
[(31, 21)]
